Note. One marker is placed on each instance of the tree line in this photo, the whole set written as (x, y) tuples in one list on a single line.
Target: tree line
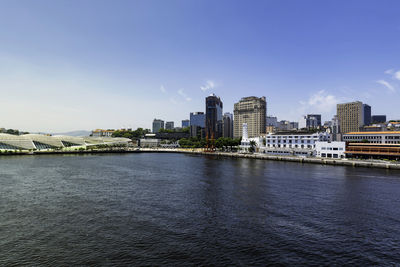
[(220, 143), (13, 131), (133, 135)]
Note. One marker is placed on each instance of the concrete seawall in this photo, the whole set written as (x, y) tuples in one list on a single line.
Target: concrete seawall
[(325, 161)]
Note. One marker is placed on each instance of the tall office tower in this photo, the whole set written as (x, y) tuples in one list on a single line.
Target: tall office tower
[(169, 125), (213, 117), (197, 119), (378, 118), (157, 125), (350, 116), (335, 126), (185, 123), (227, 130), (272, 121), (253, 111), (367, 114), (293, 125), (313, 121)]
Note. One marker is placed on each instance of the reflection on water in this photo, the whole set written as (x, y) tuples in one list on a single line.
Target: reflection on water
[(173, 209)]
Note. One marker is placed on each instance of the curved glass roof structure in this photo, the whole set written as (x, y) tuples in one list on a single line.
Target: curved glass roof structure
[(43, 142)]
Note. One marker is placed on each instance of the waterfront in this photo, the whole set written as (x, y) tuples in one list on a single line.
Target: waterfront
[(364, 163), (180, 209)]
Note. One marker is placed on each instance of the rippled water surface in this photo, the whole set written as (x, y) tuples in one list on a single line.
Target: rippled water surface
[(174, 209)]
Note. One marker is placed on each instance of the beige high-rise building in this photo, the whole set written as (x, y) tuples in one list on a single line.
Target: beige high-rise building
[(351, 116), (253, 111)]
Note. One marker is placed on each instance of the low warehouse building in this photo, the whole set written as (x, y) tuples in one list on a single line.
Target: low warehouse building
[(373, 151)]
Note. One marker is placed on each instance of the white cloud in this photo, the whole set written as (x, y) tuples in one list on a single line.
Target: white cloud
[(208, 86), (320, 102), (397, 75), (389, 71), (184, 95), (162, 89), (387, 85)]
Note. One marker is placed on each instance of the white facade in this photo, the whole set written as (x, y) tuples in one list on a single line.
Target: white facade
[(245, 134), (389, 137), (296, 144), (303, 122), (295, 140), (245, 143), (334, 150)]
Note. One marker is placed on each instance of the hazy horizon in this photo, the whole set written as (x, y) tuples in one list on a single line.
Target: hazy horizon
[(82, 65)]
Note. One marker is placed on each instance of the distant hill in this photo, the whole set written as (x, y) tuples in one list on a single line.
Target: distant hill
[(75, 133)]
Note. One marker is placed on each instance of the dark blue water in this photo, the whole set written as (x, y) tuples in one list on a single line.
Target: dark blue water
[(174, 209)]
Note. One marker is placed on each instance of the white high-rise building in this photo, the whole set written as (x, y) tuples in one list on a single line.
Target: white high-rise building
[(303, 122), (245, 143), (245, 132)]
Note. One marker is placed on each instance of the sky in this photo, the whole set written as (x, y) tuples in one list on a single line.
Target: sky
[(81, 65)]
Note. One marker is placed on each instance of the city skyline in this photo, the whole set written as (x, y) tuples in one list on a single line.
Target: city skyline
[(127, 62)]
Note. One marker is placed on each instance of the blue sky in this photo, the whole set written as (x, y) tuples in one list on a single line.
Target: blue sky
[(69, 65)]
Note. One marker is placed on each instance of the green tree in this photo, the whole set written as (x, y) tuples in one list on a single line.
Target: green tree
[(12, 131), (219, 143), (134, 135), (252, 147)]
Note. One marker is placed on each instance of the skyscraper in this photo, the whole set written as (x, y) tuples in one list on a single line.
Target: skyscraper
[(185, 123), (157, 125), (335, 126), (253, 111), (367, 114), (213, 117), (197, 119), (350, 116), (169, 125), (313, 120), (272, 121), (227, 130)]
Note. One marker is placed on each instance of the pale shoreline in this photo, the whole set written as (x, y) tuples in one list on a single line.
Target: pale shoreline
[(323, 161)]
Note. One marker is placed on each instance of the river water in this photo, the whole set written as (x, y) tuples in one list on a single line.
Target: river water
[(176, 209)]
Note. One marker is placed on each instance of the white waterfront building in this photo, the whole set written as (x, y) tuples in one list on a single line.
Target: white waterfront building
[(295, 140), (299, 144), (334, 150)]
